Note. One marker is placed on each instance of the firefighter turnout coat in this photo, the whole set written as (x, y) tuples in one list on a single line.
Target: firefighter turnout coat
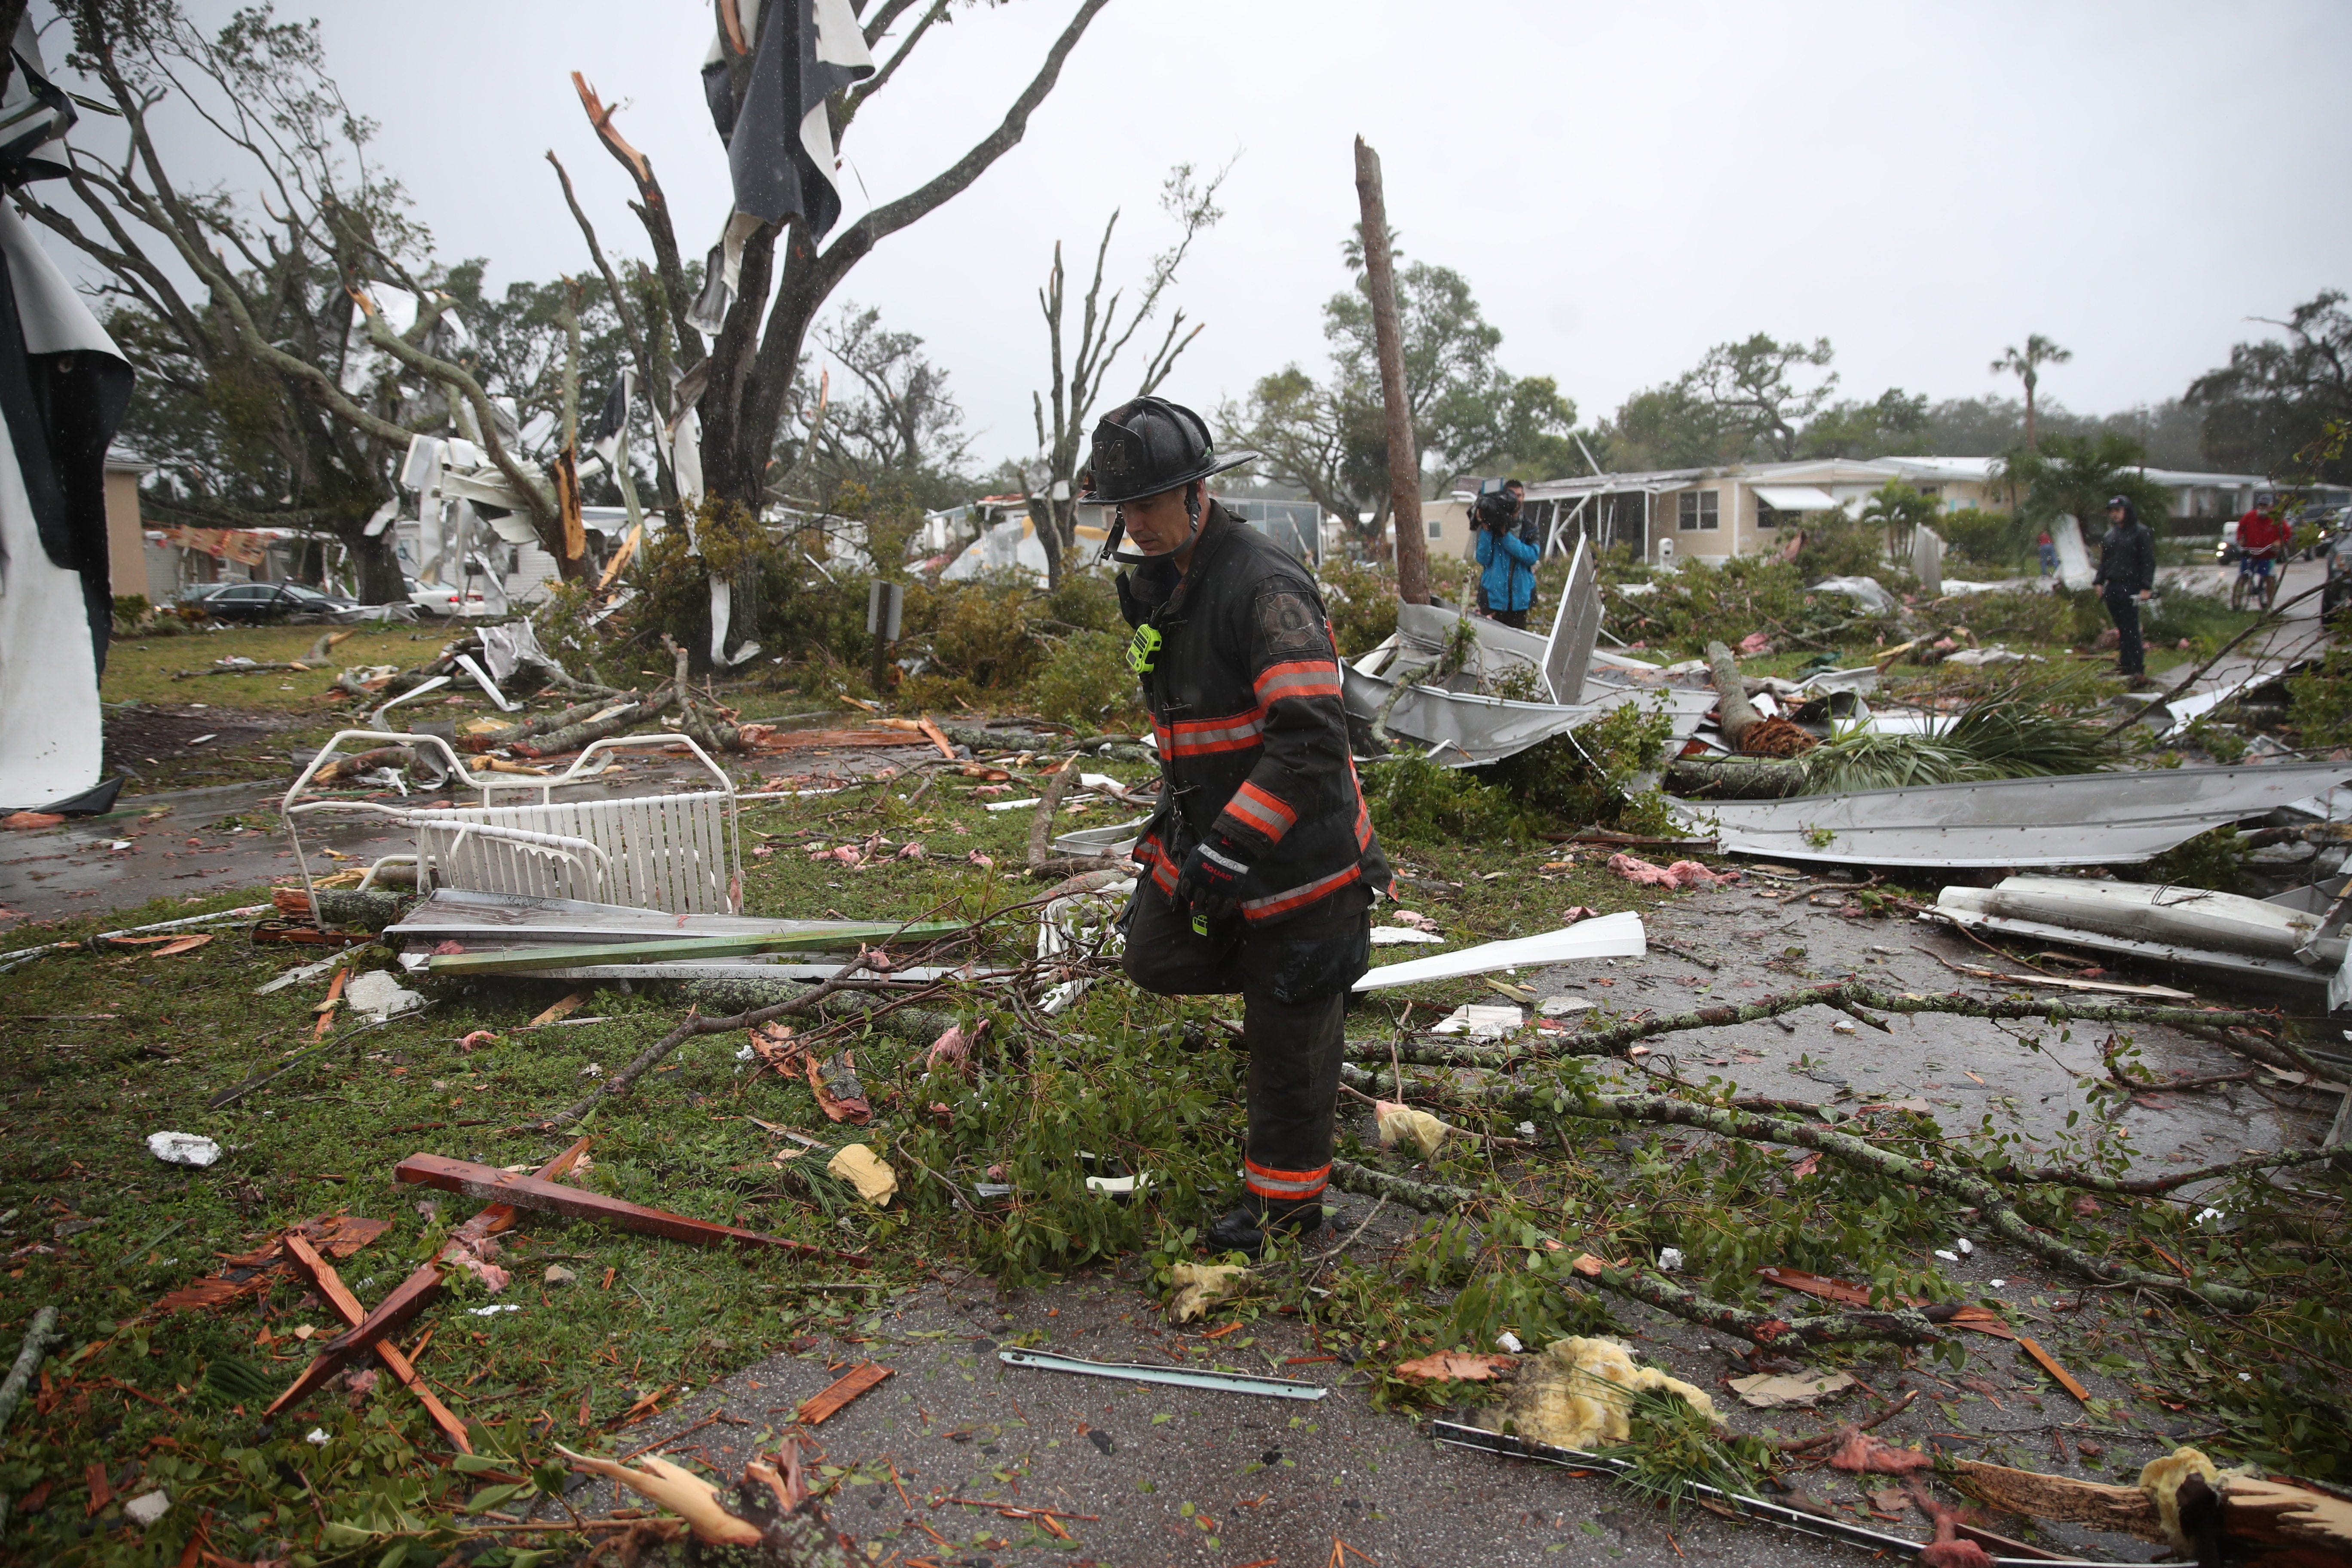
[(1243, 680)]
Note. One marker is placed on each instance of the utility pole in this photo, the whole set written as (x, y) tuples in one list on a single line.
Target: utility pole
[(1404, 468)]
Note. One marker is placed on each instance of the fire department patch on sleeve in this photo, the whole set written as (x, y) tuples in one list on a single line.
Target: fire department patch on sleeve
[(1289, 624)]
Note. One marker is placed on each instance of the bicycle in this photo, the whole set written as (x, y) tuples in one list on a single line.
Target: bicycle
[(2254, 568)]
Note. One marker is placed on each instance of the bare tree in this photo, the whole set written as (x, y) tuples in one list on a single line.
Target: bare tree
[(1101, 339), (288, 342), (745, 393), (905, 422), (2026, 365)]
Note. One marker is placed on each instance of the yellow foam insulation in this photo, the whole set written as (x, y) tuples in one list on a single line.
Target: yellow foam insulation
[(2161, 1479), (862, 1168), (1576, 1393), (1402, 1123), (1198, 1285)]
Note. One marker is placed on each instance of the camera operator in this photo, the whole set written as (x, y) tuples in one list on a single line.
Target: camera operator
[(1507, 582)]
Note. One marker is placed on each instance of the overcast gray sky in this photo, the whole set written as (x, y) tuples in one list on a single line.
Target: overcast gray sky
[(1622, 186)]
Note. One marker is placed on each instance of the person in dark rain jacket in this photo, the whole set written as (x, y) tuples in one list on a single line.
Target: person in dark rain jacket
[(2126, 576)]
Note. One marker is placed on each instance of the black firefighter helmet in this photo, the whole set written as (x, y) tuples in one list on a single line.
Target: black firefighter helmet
[(1151, 446)]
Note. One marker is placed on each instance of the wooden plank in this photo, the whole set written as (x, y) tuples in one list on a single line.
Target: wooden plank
[(347, 1306), (2050, 1364), (415, 1293), (848, 1386), (505, 960), (534, 1193)]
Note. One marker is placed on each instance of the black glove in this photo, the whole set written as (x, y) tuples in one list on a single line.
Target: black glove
[(1210, 881)]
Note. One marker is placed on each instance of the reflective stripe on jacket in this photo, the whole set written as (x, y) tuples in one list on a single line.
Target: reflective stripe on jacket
[(1245, 710)]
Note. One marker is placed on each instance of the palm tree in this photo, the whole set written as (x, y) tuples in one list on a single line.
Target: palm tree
[(2027, 364)]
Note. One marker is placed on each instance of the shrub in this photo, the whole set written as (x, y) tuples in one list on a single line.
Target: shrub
[(1837, 545), (1731, 598), (2320, 700), (2011, 615), (1086, 602), (779, 601), (1361, 601), (1414, 800), (1085, 681), (2215, 860), (1992, 540), (1586, 777), (986, 632), (2205, 619)]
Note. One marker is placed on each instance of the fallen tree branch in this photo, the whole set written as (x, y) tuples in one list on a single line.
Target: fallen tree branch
[(1803, 1445), (1429, 1198), (1847, 1149), (1041, 828), (698, 1024), (1615, 1040), (37, 1341), (2153, 1186), (1902, 1326)]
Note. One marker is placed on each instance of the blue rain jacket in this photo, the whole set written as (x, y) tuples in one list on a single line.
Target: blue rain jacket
[(1509, 577)]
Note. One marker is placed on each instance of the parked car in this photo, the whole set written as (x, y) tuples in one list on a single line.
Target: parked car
[(256, 602), (440, 599)]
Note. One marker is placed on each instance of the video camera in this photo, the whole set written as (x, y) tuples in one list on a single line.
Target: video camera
[(1497, 510)]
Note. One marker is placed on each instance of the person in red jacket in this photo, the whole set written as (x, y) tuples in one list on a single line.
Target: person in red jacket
[(2261, 545)]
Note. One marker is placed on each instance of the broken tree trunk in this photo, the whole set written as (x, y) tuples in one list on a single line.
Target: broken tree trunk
[(1388, 339), (2227, 1518), (545, 723), (415, 1293), (530, 1193), (1736, 713), (619, 718), (2061, 1498), (1735, 778)]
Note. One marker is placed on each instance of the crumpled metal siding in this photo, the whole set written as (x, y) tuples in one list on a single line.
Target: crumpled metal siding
[(2073, 819)]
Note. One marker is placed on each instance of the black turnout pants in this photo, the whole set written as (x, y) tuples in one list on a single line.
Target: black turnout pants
[(2131, 655), (1293, 980)]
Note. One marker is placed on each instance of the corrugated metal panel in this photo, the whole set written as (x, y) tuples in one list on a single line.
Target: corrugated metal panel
[(2076, 819)]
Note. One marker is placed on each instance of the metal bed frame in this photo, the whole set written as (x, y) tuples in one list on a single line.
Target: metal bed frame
[(677, 853)]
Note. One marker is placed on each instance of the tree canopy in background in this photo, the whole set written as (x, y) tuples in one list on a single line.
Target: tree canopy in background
[(1327, 438), (2280, 406)]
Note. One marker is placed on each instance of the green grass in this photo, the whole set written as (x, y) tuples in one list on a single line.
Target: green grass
[(161, 669), (84, 1093)]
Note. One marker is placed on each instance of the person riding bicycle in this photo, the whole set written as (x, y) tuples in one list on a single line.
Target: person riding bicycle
[(2262, 542)]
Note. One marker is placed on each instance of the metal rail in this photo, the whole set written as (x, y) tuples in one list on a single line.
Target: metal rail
[(1452, 1435)]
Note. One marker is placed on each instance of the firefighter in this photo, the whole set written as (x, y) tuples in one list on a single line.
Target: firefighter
[(1259, 866)]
